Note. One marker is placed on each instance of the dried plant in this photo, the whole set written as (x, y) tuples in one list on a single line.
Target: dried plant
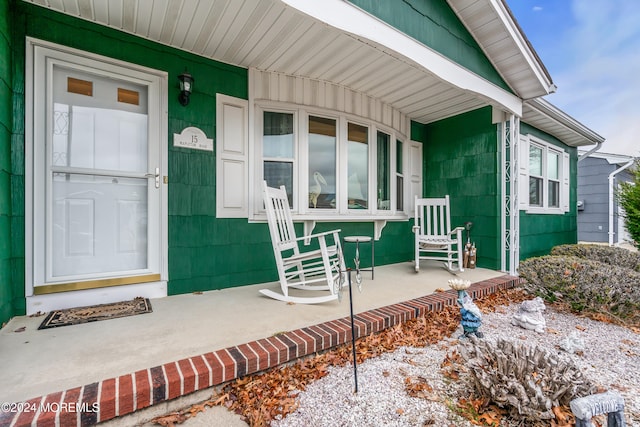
[(527, 381)]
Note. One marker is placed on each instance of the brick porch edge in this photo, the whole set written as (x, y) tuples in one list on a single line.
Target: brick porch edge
[(113, 397)]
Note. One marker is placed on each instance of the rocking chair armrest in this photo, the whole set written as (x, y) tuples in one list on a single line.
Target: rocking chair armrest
[(455, 230), (317, 235), (415, 228)]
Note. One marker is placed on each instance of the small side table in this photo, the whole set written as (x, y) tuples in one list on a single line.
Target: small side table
[(357, 240)]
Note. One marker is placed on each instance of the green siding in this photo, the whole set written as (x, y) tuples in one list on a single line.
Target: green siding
[(461, 159), (7, 310), (204, 252), (539, 233), (433, 23)]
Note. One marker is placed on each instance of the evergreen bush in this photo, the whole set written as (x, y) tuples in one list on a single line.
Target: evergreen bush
[(585, 285), (629, 199), (609, 255)]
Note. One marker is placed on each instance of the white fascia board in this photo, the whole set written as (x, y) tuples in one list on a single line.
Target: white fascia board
[(546, 108), (523, 45), (612, 159), (350, 19)]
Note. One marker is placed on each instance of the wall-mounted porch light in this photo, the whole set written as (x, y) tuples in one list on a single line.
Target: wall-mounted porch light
[(186, 86)]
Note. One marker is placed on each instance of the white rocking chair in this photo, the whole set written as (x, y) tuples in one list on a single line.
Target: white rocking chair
[(434, 238), (313, 269)]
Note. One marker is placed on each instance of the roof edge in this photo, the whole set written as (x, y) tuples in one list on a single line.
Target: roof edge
[(527, 49), (543, 106)]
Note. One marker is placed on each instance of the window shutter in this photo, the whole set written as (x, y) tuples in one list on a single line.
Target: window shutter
[(232, 183), (415, 175), (523, 173), (566, 178)]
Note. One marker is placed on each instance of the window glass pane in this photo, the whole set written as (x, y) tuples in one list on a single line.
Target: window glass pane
[(554, 194), (358, 166), (280, 173), (322, 163), (535, 191), (384, 177), (399, 178), (399, 193), (535, 160), (552, 165), (278, 135)]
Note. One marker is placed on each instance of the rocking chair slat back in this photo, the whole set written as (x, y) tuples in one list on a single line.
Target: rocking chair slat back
[(434, 238), (434, 220), (282, 231), (316, 268)]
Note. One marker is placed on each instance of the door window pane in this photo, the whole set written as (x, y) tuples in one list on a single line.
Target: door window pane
[(384, 170), (278, 141), (322, 163), (358, 166), (99, 138)]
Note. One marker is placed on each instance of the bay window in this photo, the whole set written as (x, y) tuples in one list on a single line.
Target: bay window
[(331, 164)]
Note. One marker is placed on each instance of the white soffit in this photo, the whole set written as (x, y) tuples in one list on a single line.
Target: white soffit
[(548, 118), (329, 40)]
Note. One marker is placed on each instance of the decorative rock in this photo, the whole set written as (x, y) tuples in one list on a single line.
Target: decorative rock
[(573, 343), (529, 315), (610, 403)]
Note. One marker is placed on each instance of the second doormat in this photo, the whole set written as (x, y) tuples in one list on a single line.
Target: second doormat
[(94, 313)]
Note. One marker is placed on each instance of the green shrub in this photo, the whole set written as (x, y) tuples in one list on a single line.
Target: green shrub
[(586, 285), (629, 199), (609, 255)]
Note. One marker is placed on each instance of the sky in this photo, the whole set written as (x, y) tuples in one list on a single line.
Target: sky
[(591, 48)]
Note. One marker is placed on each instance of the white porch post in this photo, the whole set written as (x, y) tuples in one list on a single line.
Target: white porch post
[(510, 221)]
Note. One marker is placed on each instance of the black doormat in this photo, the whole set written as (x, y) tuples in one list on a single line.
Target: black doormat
[(94, 313)]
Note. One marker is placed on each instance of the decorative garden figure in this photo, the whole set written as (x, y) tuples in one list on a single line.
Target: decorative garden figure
[(471, 315)]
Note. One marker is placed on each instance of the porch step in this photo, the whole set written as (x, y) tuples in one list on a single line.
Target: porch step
[(114, 397)]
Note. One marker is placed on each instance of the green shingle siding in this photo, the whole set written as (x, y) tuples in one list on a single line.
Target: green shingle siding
[(7, 308), (461, 159), (433, 23)]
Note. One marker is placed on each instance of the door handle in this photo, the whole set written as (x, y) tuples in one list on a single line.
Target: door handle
[(156, 176)]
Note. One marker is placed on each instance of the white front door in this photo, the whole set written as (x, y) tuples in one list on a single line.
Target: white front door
[(97, 188), (99, 197)]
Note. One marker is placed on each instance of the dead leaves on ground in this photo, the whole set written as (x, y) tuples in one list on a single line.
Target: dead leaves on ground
[(418, 387), (261, 398), (179, 417)]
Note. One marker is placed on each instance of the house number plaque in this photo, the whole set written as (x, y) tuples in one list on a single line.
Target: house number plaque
[(192, 137)]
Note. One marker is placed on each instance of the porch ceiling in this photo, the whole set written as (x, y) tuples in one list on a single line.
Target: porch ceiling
[(271, 35)]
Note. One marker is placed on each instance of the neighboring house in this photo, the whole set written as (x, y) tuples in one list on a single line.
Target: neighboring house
[(104, 196), (600, 218)]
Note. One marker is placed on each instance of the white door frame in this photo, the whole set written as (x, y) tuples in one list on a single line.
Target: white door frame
[(38, 53)]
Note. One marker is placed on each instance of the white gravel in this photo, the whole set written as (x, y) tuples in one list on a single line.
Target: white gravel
[(611, 359)]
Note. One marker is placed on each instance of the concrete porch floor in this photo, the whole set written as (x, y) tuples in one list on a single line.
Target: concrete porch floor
[(37, 363)]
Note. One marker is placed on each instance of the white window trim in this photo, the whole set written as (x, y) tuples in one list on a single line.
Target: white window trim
[(300, 181), (564, 177)]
